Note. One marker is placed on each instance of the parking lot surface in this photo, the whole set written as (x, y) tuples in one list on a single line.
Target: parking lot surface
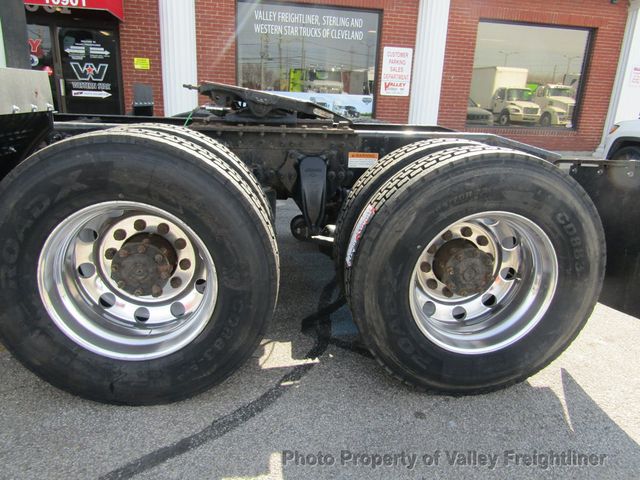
[(311, 403)]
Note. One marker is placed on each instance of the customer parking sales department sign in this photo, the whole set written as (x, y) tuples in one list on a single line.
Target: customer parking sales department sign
[(396, 71)]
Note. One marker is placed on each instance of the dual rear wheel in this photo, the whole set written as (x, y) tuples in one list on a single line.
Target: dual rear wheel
[(139, 264), (468, 268)]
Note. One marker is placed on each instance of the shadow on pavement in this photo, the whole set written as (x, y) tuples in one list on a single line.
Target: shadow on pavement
[(524, 427)]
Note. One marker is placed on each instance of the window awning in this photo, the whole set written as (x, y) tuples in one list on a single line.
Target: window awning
[(114, 7)]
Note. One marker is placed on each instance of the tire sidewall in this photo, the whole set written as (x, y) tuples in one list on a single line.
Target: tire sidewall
[(620, 154), (43, 194), (395, 238)]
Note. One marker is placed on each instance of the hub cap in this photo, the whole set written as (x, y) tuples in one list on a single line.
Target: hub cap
[(127, 280), (483, 283)]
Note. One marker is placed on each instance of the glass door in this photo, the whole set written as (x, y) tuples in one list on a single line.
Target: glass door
[(83, 67), (89, 59), (43, 57)]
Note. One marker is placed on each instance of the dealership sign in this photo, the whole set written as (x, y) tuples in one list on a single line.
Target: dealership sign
[(114, 7), (396, 71)]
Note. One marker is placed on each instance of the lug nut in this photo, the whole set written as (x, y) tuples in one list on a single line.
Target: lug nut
[(158, 258), (447, 293), (466, 231), (121, 284), (425, 267), (180, 243), (176, 282), (110, 253), (432, 284), (139, 225), (185, 264), (156, 291), (447, 235), (163, 229), (119, 234)]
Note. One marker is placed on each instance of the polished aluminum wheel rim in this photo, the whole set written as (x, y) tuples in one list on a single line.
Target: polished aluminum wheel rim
[(97, 307), (499, 276)]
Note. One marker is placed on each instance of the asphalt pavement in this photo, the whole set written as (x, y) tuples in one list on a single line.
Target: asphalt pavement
[(312, 404)]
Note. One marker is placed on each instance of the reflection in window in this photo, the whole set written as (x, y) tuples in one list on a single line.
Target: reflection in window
[(523, 94), (525, 75), (41, 53), (325, 55), (40, 48)]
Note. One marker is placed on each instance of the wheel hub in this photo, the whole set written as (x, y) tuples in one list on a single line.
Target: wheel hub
[(127, 280), (483, 282), (144, 264), (463, 268)]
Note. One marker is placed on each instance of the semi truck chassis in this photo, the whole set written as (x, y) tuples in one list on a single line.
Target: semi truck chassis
[(140, 264)]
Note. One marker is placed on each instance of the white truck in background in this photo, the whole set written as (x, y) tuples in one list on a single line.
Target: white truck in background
[(503, 91), (557, 104)]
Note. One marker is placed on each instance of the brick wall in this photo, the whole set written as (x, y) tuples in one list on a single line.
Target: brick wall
[(400, 19), (215, 29), (216, 54), (607, 20), (140, 37)]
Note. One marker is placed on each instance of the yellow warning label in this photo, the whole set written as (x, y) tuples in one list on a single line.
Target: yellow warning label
[(141, 63), (362, 159)]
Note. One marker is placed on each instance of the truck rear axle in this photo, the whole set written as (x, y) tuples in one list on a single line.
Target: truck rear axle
[(140, 262)]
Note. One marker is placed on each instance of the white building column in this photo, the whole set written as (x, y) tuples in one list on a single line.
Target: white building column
[(178, 50), (428, 61), (625, 96), (3, 59)]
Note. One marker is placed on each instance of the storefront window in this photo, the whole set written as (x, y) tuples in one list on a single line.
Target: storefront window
[(326, 55), (526, 76), (80, 53)]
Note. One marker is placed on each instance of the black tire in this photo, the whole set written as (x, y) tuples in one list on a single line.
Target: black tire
[(504, 118), (211, 147), (545, 119), (164, 172), (366, 186), (631, 152), (414, 207)]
